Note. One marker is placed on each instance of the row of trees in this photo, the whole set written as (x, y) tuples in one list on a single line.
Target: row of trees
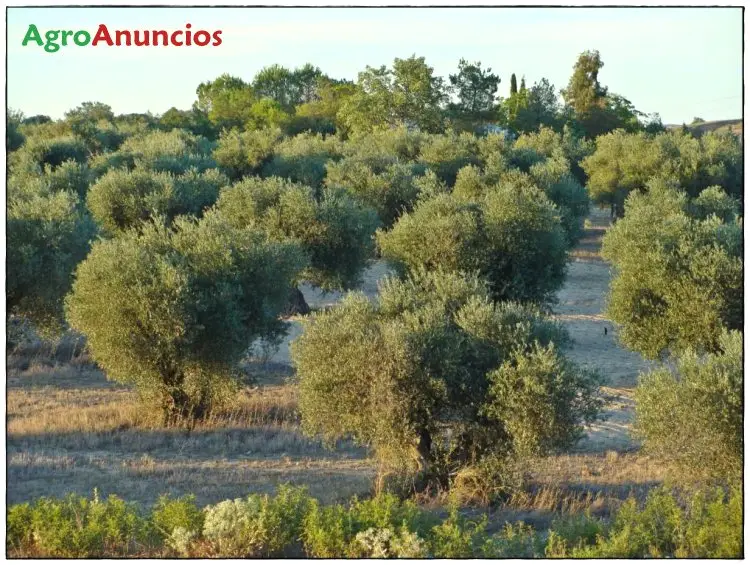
[(173, 252), (176, 253), (677, 293), (407, 92)]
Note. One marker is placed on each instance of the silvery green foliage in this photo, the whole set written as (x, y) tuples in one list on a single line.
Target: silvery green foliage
[(239, 154), (624, 162), (333, 228), (678, 270), (512, 237), (258, 526), (303, 158), (181, 539), (384, 543), (435, 371), (173, 310), (692, 417), (47, 236), (119, 200)]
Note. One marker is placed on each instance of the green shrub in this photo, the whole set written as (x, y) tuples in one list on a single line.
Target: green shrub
[(380, 527), (172, 310), (708, 525), (422, 376), (554, 178), (18, 528), (572, 533), (472, 183), (334, 230), (175, 152), (176, 520), (303, 159), (259, 526), (693, 417), (448, 154), (121, 200), (398, 142), (390, 192), (70, 176), (78, 527), (458, 538), (53, 152), (47, 236), (245, 153), (512, 237), (678, 279), (517, 541)]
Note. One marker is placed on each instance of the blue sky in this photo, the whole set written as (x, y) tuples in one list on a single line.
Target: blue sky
[(680, 62)]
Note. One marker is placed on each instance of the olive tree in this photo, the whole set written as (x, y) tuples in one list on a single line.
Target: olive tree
[(171, 311), (47, 236), (333, 229), (512, 237), (436, 376), (121, 199), (245, 153), (692, 417), (303, 159), (175, 151), (678, 271), (391, 191), (625, 162), (447, 154)]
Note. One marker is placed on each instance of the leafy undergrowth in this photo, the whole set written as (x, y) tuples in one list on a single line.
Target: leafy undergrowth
[(706, 523)]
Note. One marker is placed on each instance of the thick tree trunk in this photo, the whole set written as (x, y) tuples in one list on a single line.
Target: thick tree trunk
[(296, 305)]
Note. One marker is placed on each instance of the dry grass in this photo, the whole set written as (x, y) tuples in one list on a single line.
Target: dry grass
[(70, 430)]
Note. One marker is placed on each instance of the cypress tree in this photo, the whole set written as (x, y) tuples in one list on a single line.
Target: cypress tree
[(513, 86)]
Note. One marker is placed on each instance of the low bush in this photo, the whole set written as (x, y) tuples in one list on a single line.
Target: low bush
[(259, 526), (703, 524), (78, 527)]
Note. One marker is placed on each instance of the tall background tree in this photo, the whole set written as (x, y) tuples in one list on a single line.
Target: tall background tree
[(475, 89)]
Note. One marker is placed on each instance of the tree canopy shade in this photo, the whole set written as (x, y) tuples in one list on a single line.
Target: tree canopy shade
[(435, 376), (333, 229), (173, 310), (512, 237), (678, 267)]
